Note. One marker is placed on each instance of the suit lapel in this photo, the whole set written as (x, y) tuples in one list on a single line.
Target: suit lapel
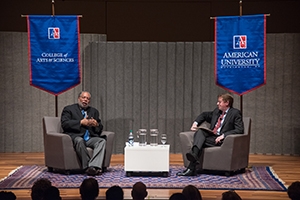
[(78, 111), (215, 118)]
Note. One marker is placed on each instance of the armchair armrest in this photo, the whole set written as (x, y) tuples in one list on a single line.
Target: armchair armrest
[(186, 141), (234, 151), (109, 146), (56, 142), (230, 140), (59, 151)]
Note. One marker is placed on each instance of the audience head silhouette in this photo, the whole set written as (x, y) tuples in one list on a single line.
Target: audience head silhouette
[(39, 188), (7, 195), (52, 193), (191, 193), (177, 196), (294, 191), (230, 195), (89, 189), (139, 191), (114, 193)]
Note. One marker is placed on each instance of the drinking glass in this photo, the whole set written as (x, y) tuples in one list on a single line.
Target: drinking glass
[(154, 137), (142, 135), (163, 138)]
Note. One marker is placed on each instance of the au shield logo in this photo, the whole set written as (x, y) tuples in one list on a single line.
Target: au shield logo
[(240, 42), (53, 33)]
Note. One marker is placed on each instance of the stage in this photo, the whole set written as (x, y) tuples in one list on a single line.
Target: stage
[(286, 167)]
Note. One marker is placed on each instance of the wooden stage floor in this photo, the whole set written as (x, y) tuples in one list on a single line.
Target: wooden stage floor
[(287, 168)]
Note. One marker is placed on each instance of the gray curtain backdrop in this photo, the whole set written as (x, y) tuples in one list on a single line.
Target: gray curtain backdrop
[(163, 85)]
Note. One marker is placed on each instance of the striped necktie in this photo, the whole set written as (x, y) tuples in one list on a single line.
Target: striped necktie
[(217, 126)]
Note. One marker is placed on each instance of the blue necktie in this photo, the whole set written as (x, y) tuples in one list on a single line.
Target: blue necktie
[(86, 136)]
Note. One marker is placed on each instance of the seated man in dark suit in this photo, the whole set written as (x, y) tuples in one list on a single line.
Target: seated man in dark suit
[(83, 124), (224, 120)]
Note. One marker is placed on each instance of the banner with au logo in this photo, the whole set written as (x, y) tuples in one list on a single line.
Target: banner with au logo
[(240, 52), (54, 52)]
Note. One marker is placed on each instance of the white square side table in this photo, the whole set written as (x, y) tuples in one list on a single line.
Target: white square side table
[(147, 159)]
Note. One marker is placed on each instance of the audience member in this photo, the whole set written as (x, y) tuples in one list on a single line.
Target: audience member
[(191, 193), (114, 193), (39, 187), (294, 191), (177, 196), (139, 191), (230, 195), (89, 189), (52, 193), (5, 195)]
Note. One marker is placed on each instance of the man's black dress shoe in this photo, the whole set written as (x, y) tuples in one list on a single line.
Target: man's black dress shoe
[(91, 171), (187, 172), (182, 172)]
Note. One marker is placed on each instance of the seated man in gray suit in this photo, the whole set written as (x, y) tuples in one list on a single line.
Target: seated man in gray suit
[(82, 123), (224, 120)]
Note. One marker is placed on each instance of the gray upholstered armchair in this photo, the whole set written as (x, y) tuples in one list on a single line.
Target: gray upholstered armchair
[(231, 156), (58, 147)]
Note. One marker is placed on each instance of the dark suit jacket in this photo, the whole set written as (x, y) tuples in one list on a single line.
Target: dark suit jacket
[(70, 121), (233, 122)]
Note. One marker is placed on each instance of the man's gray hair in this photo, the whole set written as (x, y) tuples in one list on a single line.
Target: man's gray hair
[(83, 92)]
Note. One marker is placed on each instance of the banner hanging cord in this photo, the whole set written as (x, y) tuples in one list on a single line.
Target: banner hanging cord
[(241, 7), (53, 10)]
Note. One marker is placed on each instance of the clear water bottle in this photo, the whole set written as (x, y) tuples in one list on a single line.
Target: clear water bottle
[(130, 138)]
